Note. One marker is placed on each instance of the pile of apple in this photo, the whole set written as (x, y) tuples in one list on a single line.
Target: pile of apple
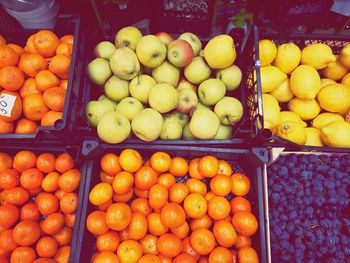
[(157, 87)]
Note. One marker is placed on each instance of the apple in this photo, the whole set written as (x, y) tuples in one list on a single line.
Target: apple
[(164, 37), (180, 53), (184, 84), (204, 124), (116, 89), (147, 124), (96, 109), (231, 76), (104, 49), (151, 51), (99, 71), (187, 100), (163, 97), (211, 91), (186, 133), (140, 87), (105, 98), (193, 40), (124, 63), (224, 133), (129, 107), (128, 37), (172, 128), (197, 71), (167, 73), (229, 110), (183, 118), (113, 127)]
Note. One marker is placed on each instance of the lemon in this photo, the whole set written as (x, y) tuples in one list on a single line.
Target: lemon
[(271, 111), (325, 82), (317, 55), (292, 131), (288, 57), (283, 93), (220, 52), (334, 97), (335, 70), (325, 118), (305, 82), (346, 79), (291, 116), (345, 55), (306, 109), (344, 113), (267, 52), (271, 77), (336, 134), (313, 137)]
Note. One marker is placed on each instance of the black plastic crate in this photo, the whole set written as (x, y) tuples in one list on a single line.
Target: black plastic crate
[(252, 162), (264, 136), (46, 147), (65, 24), (241, 131)]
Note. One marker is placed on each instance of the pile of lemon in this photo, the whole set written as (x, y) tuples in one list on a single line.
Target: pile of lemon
[(314, 85)]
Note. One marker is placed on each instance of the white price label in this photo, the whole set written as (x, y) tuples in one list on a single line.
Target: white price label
[(6, 104)]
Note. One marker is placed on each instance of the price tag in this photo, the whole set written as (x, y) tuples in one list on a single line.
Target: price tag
[(6, 104)]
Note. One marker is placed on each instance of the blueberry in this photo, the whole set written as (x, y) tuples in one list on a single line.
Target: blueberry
[(283, 171), (290, 227), (309, 210), (284, 244), (277, 230), (275, 197), (335, 164), (277, 188), (324, 249), (270, 181), (292, 215)]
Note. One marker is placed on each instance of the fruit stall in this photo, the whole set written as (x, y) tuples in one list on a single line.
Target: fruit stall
[(174, 131)]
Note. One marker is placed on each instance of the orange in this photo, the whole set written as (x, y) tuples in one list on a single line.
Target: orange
[(202, 241), (137, 227), (32, 64), (45, 79), (240, 184), (31, 179), (155, 225), (184, 258), (108, 242), (69, 39), (193, 169), (54, 98), (178, 166), (6, 240), (172, 215), (69, 181), (218, 208), (220, 185), (208, 166), (123, 235), (242, 241), (224, 168), (52, 223), (63, 236), (30, 211), (130, 160), (158, 196), (60, 65), (149, 244), (123, 197), (105, 257), (118, 216), (30, 45), (105, 206), (110, 164), (166, 179), (219, 255), (45, 43), (239, 203), (224, 233), (160, 162), (5, 161), (195, 206), (46, 162), (64, 163), (15, 196), (23, 255), (101, 193), (11, 78), (69, 203), (141, 205), (165, 259), (47, 203), (178, 192), (9, 178), (64, 49), (6, 127), (208, 196), (245, 223), (16, 109), (247, 255), (18, 49), (50, 118), (203, 222), (106, 178), (34, 107), (46, 247), (129, 251), (35, 192), (2, 40), (24, 160), (70, 220), (44, 260), (181, 231), (62, 255), (64, 84), (122, 182), (9, 215), (26, 232), (149, 258), (8, 57), (145, 178), (196, 186), (169, 245), (28, 88), (25, 126), (141, 193), (188, 249), (96, 223)]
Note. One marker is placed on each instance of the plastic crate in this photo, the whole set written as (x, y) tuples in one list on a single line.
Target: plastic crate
[(65, 24), (74, 151), (264, 136), (241, 131), (252, 162)]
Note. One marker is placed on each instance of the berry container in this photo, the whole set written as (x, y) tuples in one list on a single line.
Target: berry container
[(252, 162)]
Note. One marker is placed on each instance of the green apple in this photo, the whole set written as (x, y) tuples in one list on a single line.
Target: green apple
[(164, 37), (140, 87), (166, 73), (104, 49), (188, 100), (184, 84), (116, 89), (113, 127), (197, 71), (128, 37), (224, 133), (151, 51), (99, 71), (186, 133), (124, 63), (172, 128), (211, 91), (193, 40), (183, 118), (163, 97), (229, 110), (180, 53), (129, 107), (96, 109), (105, 98), (204, 124), (231, 76), (147, 124)]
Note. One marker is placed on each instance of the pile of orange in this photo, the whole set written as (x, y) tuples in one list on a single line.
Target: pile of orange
[(160, 210), (37, 75), (38, 202)]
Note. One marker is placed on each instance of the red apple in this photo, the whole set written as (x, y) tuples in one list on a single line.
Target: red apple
[(185, 84), (188, 100), (165, 37), (180, 53)]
